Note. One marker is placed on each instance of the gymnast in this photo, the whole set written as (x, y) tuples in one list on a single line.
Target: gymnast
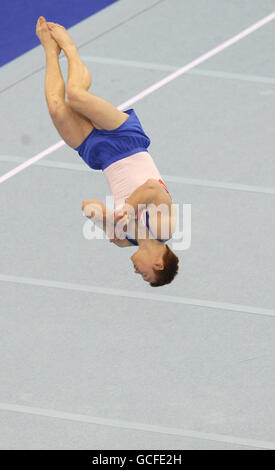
[(114, 142)]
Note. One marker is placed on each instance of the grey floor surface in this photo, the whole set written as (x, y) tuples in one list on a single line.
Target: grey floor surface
[(91, 357)]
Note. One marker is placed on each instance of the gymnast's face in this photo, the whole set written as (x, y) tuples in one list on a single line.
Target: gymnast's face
[(144, 262)]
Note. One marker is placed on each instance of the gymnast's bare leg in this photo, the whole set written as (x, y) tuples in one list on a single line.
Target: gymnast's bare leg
[(72, 126), (76, 118)]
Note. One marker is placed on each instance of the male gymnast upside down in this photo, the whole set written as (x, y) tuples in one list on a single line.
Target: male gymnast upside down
[(112, 141)]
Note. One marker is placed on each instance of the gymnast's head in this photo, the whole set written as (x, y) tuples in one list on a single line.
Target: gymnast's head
[(158, 265)]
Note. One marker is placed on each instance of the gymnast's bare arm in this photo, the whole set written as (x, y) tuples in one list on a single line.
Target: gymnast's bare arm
[(96, 210), (121, 243), (151, 192), (153, 196)]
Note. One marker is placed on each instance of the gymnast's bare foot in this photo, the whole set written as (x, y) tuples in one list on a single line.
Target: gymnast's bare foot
[(63, 39), (43, 33)]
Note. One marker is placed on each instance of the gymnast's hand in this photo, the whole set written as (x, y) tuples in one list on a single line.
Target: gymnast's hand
[(120, 214), (114, 239), (125, 212), (92, 208)]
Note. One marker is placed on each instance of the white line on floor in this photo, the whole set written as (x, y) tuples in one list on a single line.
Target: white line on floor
[(219, 184), (138, 295), (32, 160), (153, 88), (137, 426), (128, 63), (48, 163), (198, 61), (172, 68), (167, 178), (233, 76)]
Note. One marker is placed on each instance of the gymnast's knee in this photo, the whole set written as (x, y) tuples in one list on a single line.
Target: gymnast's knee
[(56, 106), (75, 93)]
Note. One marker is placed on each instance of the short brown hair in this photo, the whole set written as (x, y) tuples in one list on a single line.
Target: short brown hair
[(165, 276)]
